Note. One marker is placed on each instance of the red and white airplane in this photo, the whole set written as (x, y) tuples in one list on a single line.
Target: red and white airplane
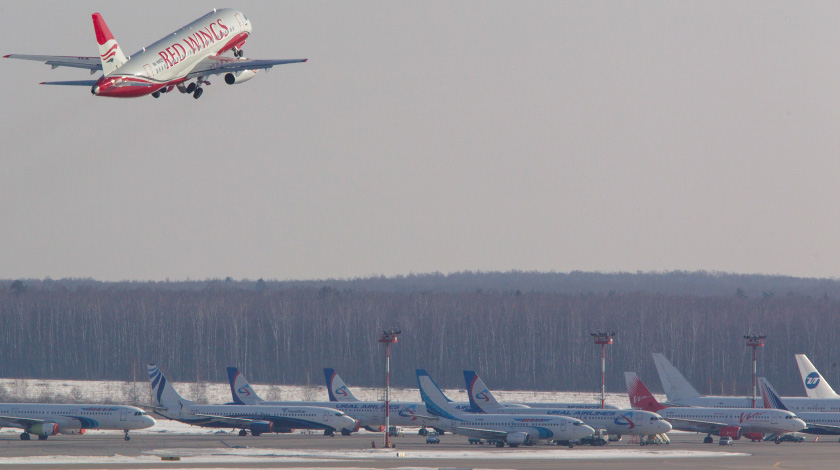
[(183, 59)]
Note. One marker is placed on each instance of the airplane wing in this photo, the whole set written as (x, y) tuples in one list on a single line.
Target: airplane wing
[(91, 63), (710, 426), (239, 422), (827, 428), (217, 65), (18, 422), (480, 433)]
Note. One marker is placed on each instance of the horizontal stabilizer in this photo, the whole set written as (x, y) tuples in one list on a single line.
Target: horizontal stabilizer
[(72, 83)]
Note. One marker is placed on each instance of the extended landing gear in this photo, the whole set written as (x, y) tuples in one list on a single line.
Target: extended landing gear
[(198, 92), (42, 437), (190, 88), (708, 439), (156, 94), (243, 432), (329, 432), (127, 438), (24, 436), (237, 52), (345, 432)]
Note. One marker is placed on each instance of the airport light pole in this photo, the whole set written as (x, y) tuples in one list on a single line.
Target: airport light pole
[(388, 337), (755, 342), (603, 338)]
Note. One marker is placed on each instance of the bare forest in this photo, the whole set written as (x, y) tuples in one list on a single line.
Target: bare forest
[(520, 331)]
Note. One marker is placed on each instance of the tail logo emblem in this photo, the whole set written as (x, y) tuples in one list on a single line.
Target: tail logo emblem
[(245, 391), (812, 380), (483, 395), (624, 420), (342, 391)]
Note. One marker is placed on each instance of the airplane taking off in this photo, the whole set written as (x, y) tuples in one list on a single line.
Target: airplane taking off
[(752, 423), (515, 430), (45, 420), (257, 419), (815, 384), (190, 54), (819, 422), (616, 422)]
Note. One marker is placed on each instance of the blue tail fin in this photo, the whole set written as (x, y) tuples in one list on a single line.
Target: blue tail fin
[(436, 402), (769, 396)]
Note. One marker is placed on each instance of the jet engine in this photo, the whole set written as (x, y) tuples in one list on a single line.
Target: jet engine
[(731, 431), (239, 77), (71, 430), (516, 439), (43, 429), (754, 436), (259, 427)]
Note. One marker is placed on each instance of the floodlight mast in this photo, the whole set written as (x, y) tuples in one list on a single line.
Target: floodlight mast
[(388, 337), (603, 338), (755, 342)]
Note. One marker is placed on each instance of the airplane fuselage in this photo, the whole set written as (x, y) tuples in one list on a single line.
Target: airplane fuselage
[(74, 419), (168, 61)]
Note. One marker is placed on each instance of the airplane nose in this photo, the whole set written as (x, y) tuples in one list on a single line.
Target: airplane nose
[(665, 427)]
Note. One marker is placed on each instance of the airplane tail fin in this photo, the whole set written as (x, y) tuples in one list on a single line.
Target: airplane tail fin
[(815, 384), (241, 390), (640, 397), (433, 397), (769, 396), (676, 386), (336, 387), (165, 395), (481, 400), (109, 51)]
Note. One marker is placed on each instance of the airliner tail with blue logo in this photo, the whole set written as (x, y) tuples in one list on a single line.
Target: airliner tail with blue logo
[(336, 387), (815, 384), (241, 390)]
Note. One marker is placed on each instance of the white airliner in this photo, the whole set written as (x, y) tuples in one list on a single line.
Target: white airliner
[(45, 420), (681, 393), (371, 414), (183, 59), (615, 422), (515, 430), (752, 423), (814, 383), (819, 422), (257, 419)]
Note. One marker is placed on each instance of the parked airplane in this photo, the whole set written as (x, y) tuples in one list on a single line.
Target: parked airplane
[(752, 423), (819, 422), (371, 414), (815, 384), (515, 430), (45, 420), (257, 419), (681, 393), (615, 422), (190, 54)]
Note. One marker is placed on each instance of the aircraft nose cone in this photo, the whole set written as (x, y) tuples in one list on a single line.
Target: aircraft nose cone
[(665, 427)]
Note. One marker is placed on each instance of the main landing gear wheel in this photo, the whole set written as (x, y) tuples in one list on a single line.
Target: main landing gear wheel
[(329, 432), (345, 432), (198, 92), (191, 88), (156, 94), (42, 437), (127, 438), (24, 436), (708, 440), (238, 53), (243, 432)]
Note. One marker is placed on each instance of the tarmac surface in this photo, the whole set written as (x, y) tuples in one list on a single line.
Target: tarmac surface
[(229, 451)]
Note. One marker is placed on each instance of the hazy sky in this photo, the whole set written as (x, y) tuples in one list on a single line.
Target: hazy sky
[(432, 136)]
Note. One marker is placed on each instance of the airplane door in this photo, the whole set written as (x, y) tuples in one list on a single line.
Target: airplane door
[(774, 419), (326, 416), (123, 413), (148, 70), (563, 425)]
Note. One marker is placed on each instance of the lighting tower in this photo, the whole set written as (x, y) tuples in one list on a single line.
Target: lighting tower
[(754, 341), (603, 338), (388, 337)]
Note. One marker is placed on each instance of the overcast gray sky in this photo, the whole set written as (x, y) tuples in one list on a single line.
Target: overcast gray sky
[(432, 136)]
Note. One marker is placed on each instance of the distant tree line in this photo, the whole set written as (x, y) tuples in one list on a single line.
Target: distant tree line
[(514, 334)]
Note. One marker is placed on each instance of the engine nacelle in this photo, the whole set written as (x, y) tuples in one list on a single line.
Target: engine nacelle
[(754, 436), (43, 429), (239, 77), (731, 431), (71, 430), (515, 439), (259, 427)]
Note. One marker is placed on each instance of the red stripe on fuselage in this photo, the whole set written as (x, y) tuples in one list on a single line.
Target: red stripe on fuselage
[(109, 87)]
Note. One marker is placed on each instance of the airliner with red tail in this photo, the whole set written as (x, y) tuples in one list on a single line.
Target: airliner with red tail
[(183, 59), (751, 423)]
